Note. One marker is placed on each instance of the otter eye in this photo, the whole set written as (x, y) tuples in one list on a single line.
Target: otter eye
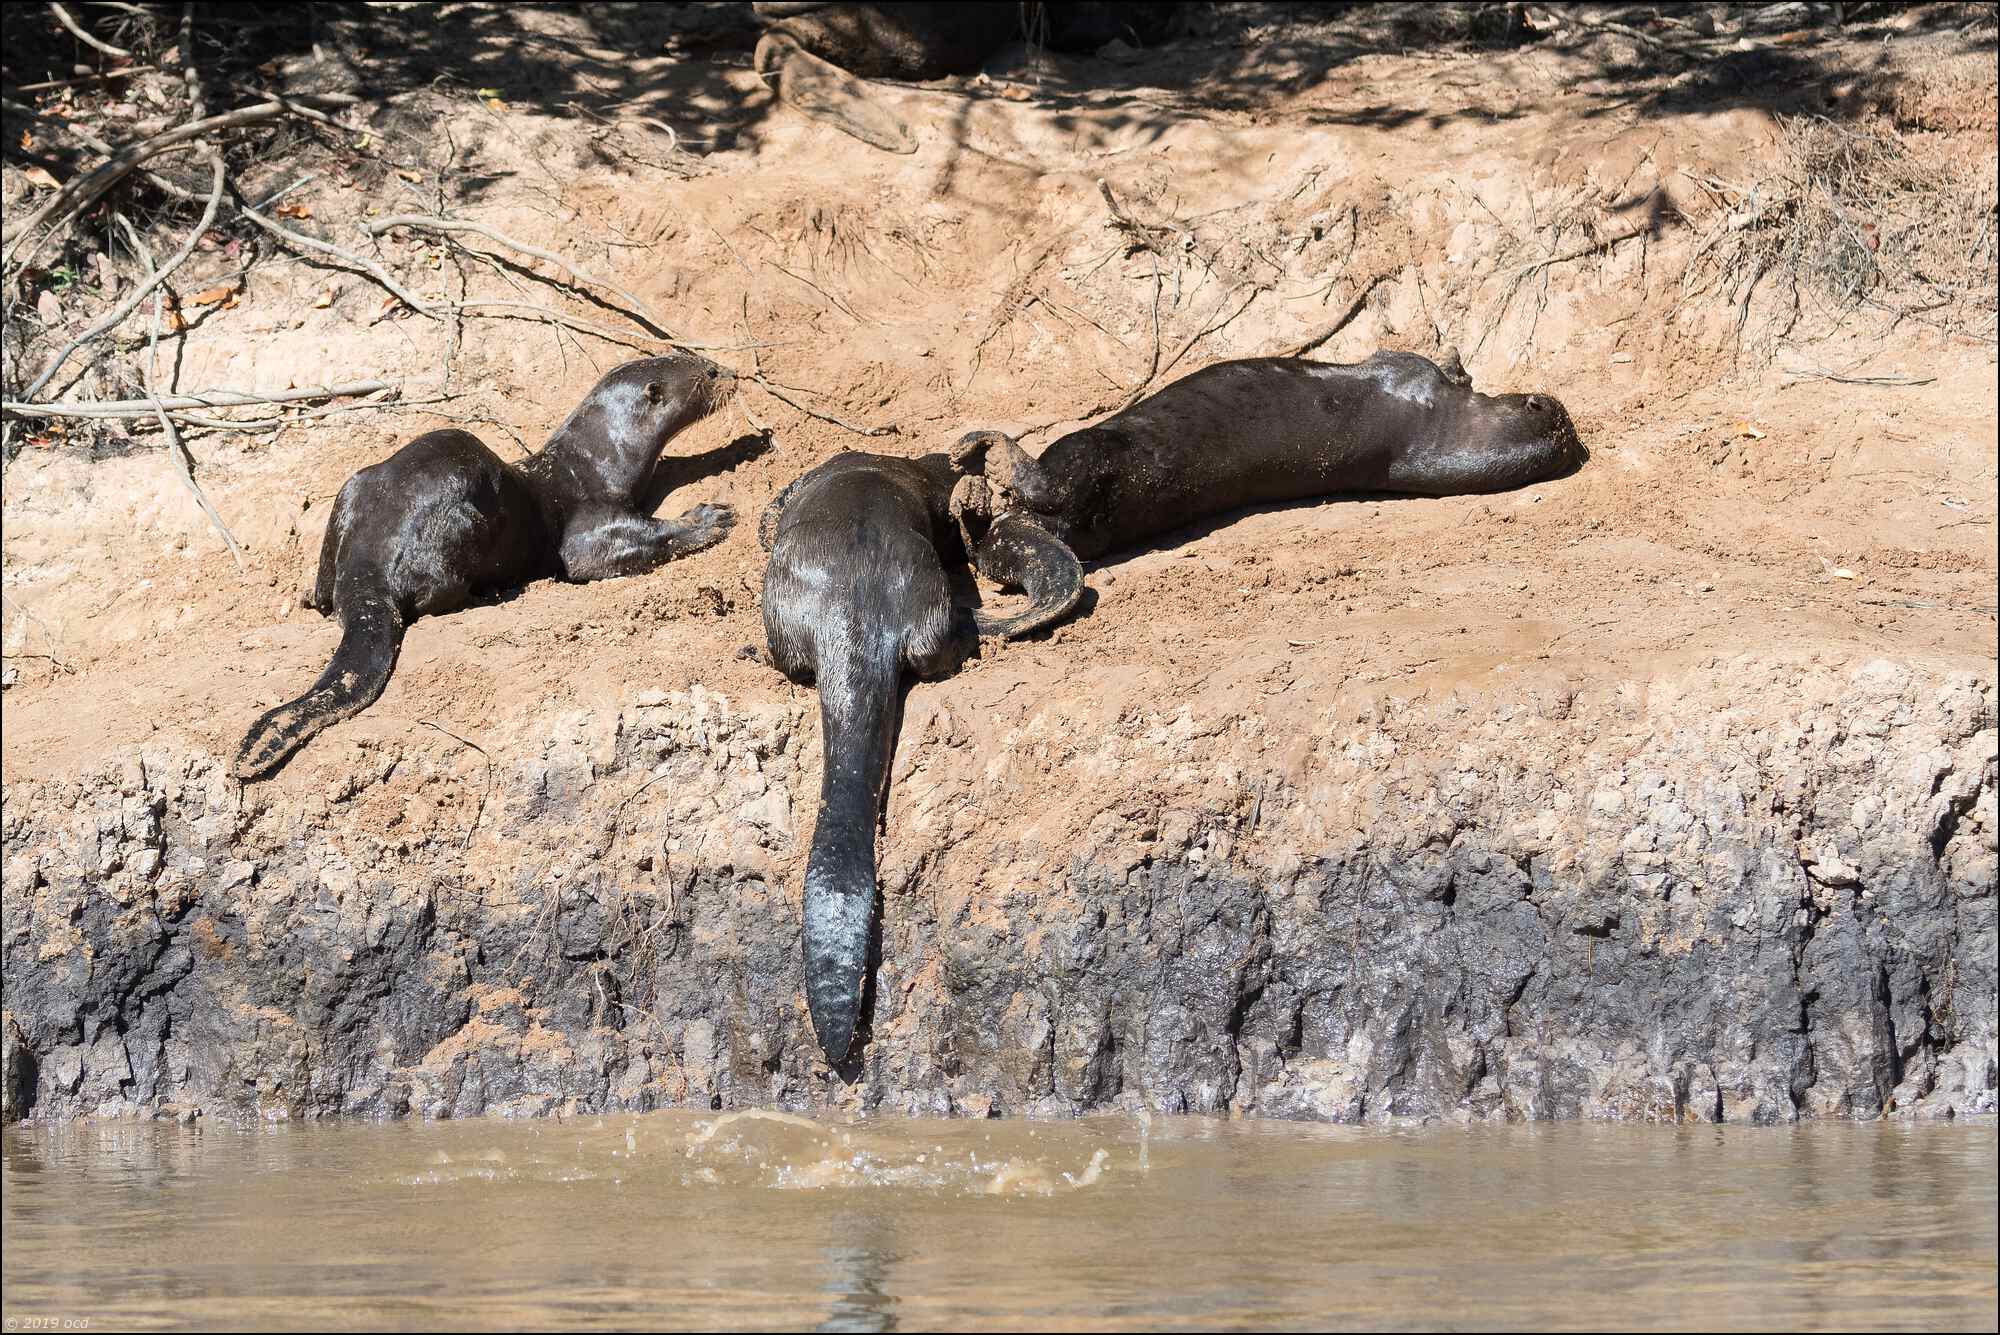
[(655, 391), (712, 373)]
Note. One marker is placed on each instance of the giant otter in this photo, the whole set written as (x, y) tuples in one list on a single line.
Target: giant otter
[(445, 518), (1268, 429), (855, 594)]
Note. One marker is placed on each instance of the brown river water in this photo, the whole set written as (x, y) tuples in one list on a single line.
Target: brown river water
[(757, 1221)]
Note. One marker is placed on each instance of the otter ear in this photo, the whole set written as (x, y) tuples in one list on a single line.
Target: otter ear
[(1454, 369), (655, 391), (1019, 553)]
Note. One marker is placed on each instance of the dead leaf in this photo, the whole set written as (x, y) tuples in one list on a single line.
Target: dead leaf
[(1842, 572), (487, 92), (326, 299), (48, 308), (27, 139), (269, 69), (294, 211), (1748, 431), (209, 296), (41, 178), (496, 104), (407, 174)]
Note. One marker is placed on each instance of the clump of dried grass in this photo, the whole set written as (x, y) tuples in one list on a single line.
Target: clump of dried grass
[(1855, 219)]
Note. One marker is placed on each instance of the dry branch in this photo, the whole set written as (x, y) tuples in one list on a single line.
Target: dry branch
[(1345, 318), (90, 141), (1256, 290), (62, 17), (47, 84), (778, 394), (380, 225), (86, 190), (360, 262), (176, 449), (156, 277), (214, 398), (1580, 252)]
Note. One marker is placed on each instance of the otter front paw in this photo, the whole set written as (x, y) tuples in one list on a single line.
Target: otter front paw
[(706, 525)]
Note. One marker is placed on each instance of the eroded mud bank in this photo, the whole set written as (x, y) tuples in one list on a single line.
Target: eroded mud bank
[(1753, 891)]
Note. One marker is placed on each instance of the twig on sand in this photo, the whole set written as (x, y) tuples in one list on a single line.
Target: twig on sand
[(76, 29), (1256, 290), (1141, 234), (387, 398), (176, 449), (57, 663), (213, 398), (377, 226), (522, 309), (763, 382), (81, 79), (1814, 373), (528, 310), (758, 379), (1340, 321), (1580, 252), (1570, 17), (82, 134), (465, 741), (158, 276), (1139, 391), (361, 262)]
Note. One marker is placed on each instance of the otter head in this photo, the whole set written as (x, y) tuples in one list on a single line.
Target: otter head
[(1530, 436), (1459, 440), (629, 416)]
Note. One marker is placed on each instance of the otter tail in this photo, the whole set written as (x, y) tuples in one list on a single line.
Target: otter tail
[(371, 633), (858, 721)]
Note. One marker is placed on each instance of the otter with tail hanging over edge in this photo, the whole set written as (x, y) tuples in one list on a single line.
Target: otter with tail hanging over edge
[(445, 518), (856, 594), (856, 591)]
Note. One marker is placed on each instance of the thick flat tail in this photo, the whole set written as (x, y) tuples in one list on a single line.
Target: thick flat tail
[(370, 636), (1019, 553), (858, 716)]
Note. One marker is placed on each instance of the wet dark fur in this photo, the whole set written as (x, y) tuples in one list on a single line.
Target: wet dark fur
[(856, 594), (1272, 429), (444, 519)]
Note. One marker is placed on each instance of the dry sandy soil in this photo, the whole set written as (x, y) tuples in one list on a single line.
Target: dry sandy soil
[(980, 282), (1540, 207)]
